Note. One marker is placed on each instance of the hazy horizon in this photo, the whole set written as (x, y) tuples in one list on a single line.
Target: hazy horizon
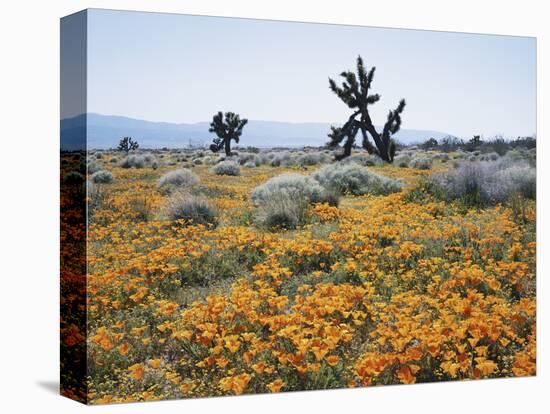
[(183, 69)]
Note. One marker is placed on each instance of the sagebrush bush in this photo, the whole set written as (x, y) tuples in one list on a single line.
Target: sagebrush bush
[(280, 158), (138, 161), (180, 178), (249, 158), (73, 177), (490, 156), (283, 212), (355, 179), (311, 158), (226, 168), (486, 183), (93, 167), (149, 158), (373, 160), (421, 163), (294, 186), (521, 179), (266, 157), (102, 177), (132, 161), (402, 161), (191, 209), (356, 158), (208, 160)]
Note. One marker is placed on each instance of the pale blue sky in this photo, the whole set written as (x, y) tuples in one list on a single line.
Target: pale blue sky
[(178, 68)]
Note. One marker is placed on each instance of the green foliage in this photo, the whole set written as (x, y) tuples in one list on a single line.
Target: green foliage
[(127, 144), (355, 93), (429, 144), (226, 130)]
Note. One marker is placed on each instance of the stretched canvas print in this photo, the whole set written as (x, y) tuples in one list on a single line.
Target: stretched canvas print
[(254, 206)]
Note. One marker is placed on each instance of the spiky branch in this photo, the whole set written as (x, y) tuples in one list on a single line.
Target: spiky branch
[(127, 144), (355, 93), (226, 130)]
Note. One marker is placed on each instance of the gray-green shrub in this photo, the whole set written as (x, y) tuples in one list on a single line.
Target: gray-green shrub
[(292, 185), (311, 158), (180, 178), (102, 177), (93, 167), (133, 161), (191, 209), (73, 178), (421, 162), (355, 179), (283, 212), (226, 168), (487, 183)]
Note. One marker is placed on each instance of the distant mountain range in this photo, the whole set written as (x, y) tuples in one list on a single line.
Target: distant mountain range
[(104, 131)]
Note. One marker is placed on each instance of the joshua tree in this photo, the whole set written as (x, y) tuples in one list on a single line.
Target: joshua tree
[(230, 129), (354, 92), (127, 144), (431, 143)]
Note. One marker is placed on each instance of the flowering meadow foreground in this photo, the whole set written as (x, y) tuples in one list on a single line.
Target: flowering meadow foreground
[(362, 288)]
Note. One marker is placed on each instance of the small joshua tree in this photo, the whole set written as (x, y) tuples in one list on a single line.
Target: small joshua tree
[(474, 143), (354, 92), (226, 130), (429, 144), (127, 144)]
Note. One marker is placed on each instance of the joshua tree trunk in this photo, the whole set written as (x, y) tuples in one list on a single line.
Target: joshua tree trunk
[(347, 149), (227, 147), (383, 143)]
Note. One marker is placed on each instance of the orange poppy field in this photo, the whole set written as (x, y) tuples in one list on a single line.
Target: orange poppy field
[(372, 289)]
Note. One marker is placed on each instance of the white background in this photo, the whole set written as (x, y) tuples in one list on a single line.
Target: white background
[(29, 139)]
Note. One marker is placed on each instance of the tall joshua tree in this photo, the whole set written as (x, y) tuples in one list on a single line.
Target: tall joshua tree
[(226, 130), (127, 144), (354, 92)]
